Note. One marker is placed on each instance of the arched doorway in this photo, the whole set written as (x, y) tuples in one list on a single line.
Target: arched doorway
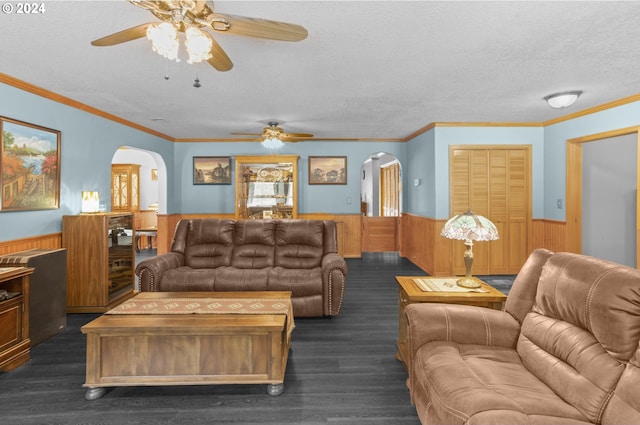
[(152, 176), (381, 202)]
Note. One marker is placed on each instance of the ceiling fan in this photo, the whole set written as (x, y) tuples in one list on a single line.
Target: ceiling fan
[(275, 132), (192, 17), (274, 136)]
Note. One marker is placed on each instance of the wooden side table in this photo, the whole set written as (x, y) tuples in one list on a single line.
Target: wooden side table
[(150, 233), (411, 293)]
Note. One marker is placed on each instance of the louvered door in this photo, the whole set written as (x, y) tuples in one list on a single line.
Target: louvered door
[(493, 181)]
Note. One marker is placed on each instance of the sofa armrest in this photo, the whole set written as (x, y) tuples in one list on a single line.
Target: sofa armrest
[(151, 270), (334, 271), (462, 324)]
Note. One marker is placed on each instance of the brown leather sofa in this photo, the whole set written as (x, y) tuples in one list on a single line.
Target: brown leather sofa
[(253, 255), (565, 350)]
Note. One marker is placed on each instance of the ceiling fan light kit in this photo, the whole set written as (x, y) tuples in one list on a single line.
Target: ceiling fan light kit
[(192, 17), (164, 40), (198, 45), (272, 143)]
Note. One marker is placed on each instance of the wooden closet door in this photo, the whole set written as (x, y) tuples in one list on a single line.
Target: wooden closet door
[(470, 190), (493, 182)]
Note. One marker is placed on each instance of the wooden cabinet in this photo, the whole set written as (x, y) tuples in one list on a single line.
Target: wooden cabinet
[(100, 260), (125, 187), (266, 186), (15, 344)]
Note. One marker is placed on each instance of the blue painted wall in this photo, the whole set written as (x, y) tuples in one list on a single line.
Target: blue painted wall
[(428, 156), (333, 199), (555, 152), (89, 143)]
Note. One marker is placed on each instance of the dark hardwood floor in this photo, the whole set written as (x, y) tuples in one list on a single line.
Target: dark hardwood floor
[(341, 370)]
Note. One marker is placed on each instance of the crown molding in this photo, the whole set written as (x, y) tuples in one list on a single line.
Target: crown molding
[(39, 91), (47, 94)]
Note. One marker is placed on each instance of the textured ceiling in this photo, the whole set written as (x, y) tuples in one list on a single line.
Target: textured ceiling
[(368, 69)]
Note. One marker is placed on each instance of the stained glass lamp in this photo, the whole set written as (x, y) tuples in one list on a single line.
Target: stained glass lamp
[(469, 227)]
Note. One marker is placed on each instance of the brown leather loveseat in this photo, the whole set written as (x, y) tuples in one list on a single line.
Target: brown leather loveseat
[(253, 255), (564, 351)]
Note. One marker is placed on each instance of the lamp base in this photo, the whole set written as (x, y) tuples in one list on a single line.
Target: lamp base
[(468, 282)]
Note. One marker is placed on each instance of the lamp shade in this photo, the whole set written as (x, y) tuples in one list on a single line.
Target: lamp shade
[(90, 202), (470, 227)]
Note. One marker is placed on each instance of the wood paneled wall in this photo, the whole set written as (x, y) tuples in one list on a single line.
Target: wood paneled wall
[(50, 241), (420, 239), (348, 226), (420, 242), (380, 234), (549, 234)]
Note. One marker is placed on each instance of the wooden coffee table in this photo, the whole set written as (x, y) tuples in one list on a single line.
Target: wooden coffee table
[(411, 293), (134, 349)]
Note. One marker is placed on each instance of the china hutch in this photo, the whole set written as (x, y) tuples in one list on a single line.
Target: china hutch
[(125, 187), (266, 187)]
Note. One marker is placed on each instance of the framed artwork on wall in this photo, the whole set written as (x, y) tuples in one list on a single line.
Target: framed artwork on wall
[(327, 170), (211, 170), (30, 162)]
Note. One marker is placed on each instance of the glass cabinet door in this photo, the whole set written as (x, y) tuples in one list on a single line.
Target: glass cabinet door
[(266, 187), (125, 187)]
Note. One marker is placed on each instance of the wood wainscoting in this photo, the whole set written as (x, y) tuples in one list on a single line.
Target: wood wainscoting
[(419, 238), (348, 226), (420, 242), (549, 234), (380, 234), (50, 241)]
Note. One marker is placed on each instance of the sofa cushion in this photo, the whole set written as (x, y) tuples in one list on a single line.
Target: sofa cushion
[(299, 244), (254, 244), (209, 243), (187, 279), (234, 279), (466, 380), (300, 282), (583, 329)]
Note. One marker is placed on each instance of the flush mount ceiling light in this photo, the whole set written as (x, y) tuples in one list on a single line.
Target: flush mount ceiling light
[(562, 100)]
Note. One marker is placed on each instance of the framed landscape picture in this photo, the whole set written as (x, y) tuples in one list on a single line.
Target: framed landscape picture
[(211, 170), (30, 162), (327, 170)]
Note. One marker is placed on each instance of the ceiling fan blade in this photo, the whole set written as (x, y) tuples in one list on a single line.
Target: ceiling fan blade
[(258, 28), (122, 36), (219, 59), (297, 135), (292, 139), (247, 134), (335, 139)]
